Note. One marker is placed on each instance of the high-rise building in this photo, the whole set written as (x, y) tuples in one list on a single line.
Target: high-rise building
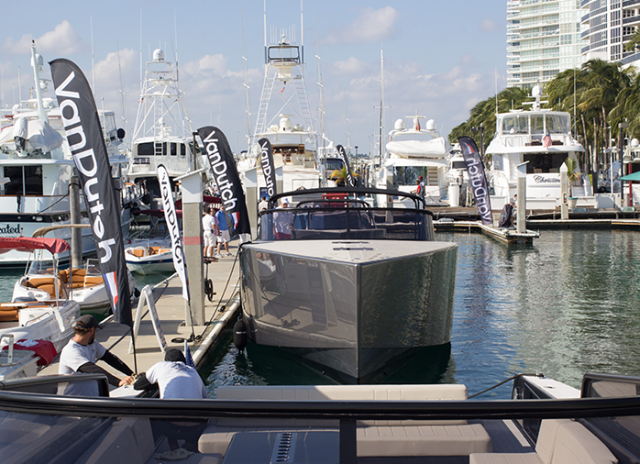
[(606, 26), (543, 39)]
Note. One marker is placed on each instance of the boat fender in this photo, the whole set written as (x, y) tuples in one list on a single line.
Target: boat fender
[(240, 335)]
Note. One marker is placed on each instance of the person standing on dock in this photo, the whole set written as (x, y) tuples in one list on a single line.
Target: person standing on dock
[(264, 204), (176, 380), (210, 231), (81, 354), (507, 215), (223, 233), (283, 221)]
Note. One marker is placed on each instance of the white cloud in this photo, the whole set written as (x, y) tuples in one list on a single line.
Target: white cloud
[(63, 40), (371, 26), (489, 26), (351, 66)]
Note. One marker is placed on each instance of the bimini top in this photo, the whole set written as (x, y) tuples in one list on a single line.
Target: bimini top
[(53, 245)]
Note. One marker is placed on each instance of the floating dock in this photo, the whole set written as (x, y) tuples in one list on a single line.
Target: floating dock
[(171, 313), (508, 236)]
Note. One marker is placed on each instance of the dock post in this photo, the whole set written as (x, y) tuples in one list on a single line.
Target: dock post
[(564, 196), (192, 240), (76, 218), (521, 204)]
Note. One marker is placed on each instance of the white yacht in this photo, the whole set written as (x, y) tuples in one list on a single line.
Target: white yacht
[(539, 137), (163, 131), (36, 167), (413, 152)]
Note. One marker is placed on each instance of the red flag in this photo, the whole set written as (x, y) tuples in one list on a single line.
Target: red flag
[(546, 140)]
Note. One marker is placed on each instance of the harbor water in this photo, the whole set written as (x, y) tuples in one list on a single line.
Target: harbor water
[(566, 305)]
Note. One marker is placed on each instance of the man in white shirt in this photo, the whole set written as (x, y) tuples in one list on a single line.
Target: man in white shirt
[(210, 231), (263, 205), (176, 380), (283, 221), (81, 354)]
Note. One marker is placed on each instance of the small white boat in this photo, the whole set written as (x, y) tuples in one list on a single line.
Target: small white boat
[(49, 320), (151, 257), (86, 285)]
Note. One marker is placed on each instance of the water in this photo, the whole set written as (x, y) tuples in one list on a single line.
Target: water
[(566, 305)]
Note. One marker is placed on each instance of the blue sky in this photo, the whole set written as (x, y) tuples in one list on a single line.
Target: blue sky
[(441, 57)]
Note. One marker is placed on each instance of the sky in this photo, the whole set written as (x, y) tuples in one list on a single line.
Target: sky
[(440, 57)]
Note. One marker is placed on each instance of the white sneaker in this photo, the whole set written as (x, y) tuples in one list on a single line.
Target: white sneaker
[(217, 255), (229, 254)]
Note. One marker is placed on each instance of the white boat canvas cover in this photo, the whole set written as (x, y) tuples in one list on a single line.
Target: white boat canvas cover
[(38, 134), (434, 148)]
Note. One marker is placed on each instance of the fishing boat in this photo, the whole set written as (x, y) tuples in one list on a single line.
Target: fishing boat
[(414, 152), (542, 139), (341, 290), (288, 125), (36, 168), (49, 319), (545, 421), (162, 134)]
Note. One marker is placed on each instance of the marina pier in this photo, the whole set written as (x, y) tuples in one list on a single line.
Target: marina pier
[(170, 308)]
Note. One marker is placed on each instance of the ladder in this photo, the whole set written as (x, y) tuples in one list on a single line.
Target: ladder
[(303, 101), (267, 88)]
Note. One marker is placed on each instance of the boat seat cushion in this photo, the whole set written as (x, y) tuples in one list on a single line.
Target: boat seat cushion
[(93, 280), (137, 252), (559, 442), (443, 392), (422, 440)]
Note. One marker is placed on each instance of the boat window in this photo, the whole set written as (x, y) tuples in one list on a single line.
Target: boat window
[(333, 164), (537, 124), (23, 180), (174, 149), (145, 149), (161, 150), (183, 149), (509, 125), (544, 163), (408, 175), (557, 123), (458, 165)]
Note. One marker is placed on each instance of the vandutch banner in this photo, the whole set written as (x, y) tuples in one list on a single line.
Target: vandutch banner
[(268, 166), (477, 179), (224, 169), (345, 159), (174, 229), (84, 134)]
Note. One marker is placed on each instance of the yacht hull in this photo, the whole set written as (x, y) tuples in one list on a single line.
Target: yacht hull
[(355, 307)]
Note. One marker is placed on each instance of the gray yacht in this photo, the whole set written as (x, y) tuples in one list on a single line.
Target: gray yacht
[(350, 288)]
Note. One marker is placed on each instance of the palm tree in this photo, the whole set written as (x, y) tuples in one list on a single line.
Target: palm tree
[(340, 176)]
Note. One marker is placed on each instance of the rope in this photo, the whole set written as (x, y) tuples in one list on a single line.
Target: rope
[(537, 374), (52, 205)]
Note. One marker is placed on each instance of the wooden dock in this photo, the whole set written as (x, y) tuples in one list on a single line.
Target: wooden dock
[(170, 307)]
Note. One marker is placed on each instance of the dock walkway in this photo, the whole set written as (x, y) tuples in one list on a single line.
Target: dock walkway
[(171, 311)]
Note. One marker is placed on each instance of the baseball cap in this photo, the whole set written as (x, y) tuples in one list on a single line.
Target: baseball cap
[(86, 322), (420, 177), (174, 355), (285, 201)]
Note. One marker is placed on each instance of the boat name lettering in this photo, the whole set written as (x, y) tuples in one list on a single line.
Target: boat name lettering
[(542, 180), (476, 178), (219, 168), (10, 230), (85, 161), (266, 167)]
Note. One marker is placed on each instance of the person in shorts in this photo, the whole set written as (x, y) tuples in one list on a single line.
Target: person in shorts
[(223, 237), (210, 231)]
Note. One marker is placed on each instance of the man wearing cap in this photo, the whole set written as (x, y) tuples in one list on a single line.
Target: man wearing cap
[(81, 354), (176, 380)]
